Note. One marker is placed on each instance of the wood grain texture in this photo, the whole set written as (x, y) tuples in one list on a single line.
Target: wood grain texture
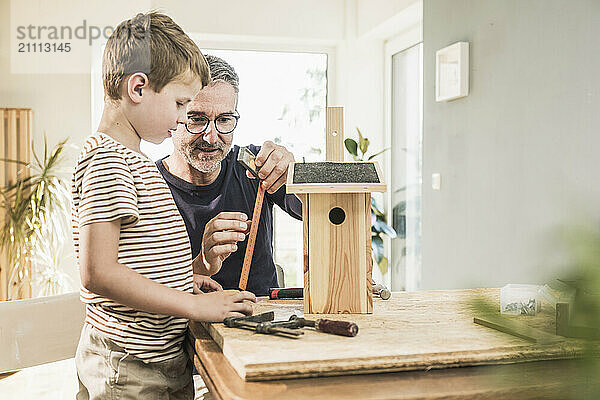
[(3, 182), (334, 131), (558, 379), (336, 187), (12, 150), (23, 154), (304, 198), (368, 249), (15, 144), (337, 255), (411, 331)]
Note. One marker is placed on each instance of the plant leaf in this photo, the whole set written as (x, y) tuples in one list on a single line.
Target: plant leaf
[(363, 142), (385, 228), (364, 145), (360, 136), (377, 245), (378, 153), (383, 265), (351, 146), (375, 207)]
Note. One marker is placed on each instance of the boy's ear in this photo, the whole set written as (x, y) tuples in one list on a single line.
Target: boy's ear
[(136, 84)]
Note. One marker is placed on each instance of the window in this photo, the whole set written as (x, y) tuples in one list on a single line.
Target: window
[(406, 142)]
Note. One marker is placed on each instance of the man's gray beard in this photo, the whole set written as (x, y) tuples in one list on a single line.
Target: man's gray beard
[(209, 165)]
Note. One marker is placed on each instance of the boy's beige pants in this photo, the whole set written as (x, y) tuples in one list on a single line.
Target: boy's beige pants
[(105, 371)]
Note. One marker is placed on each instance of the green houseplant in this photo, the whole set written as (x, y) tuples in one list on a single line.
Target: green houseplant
[(379, 225), (37, 209)]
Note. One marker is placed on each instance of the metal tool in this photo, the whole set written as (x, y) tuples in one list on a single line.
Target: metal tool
[(298, 293), (246, 158), (261, 323), (381, 291), (342, 328)]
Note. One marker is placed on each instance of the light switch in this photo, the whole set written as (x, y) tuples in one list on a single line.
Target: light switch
[(436, 181)]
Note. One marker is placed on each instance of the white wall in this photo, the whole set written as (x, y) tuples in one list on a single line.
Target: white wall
[(307, 19), (519, 155), (374, 15)]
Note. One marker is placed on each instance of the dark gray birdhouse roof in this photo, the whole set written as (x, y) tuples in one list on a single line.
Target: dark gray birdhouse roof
[(335, 177)]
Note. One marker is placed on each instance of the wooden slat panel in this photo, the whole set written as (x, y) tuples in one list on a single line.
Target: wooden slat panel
[(3, 262), (24, 143), (12, 150), (334, 130), (14, 145)]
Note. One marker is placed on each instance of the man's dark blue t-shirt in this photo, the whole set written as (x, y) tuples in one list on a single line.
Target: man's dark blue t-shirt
[(233, 191)]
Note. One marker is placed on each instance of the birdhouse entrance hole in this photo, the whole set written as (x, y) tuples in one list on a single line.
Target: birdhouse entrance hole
[(337, 215)]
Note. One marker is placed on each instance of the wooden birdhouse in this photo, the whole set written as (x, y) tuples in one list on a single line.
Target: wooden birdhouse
[(336, 214)]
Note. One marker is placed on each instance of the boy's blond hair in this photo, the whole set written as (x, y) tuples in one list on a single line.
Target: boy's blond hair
[(155, 45)]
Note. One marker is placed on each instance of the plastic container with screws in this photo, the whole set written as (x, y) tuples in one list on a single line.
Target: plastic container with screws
[(518, 299), (557, 291)]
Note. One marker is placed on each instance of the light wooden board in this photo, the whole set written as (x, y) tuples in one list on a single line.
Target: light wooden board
[(338, 258), (305, 243), (334, 134), (411, 331)]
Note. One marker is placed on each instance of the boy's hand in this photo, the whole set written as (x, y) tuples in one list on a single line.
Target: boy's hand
[(273, 162), (204, 284), (220, 237), (216, 306)]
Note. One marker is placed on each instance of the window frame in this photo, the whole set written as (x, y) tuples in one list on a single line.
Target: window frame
[(409, 38)]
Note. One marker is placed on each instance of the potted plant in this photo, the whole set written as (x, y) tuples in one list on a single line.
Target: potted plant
[(379, 225), (37, 210)]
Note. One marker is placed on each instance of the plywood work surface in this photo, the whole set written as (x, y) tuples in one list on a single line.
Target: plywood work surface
[(411, 331)]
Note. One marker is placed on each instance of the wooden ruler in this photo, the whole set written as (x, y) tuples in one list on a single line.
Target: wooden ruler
[(252, 236)]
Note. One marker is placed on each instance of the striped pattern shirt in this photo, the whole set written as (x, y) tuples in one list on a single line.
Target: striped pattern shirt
[(113, 182)]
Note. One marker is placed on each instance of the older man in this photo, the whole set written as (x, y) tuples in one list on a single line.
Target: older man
[(214, 193)]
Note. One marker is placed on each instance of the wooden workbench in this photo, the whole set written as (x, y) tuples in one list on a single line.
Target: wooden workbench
[(434, 331)]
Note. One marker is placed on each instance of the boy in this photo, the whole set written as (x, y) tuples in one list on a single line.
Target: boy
[(132, 246)]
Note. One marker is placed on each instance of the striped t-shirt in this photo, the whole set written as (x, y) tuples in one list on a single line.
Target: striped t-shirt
[(112, 182)]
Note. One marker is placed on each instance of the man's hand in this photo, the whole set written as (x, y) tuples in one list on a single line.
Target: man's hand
[(273, 162), (204, 284), (219, 240)]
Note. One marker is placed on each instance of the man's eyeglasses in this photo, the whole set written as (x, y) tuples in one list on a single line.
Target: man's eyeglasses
[(224, 123)]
